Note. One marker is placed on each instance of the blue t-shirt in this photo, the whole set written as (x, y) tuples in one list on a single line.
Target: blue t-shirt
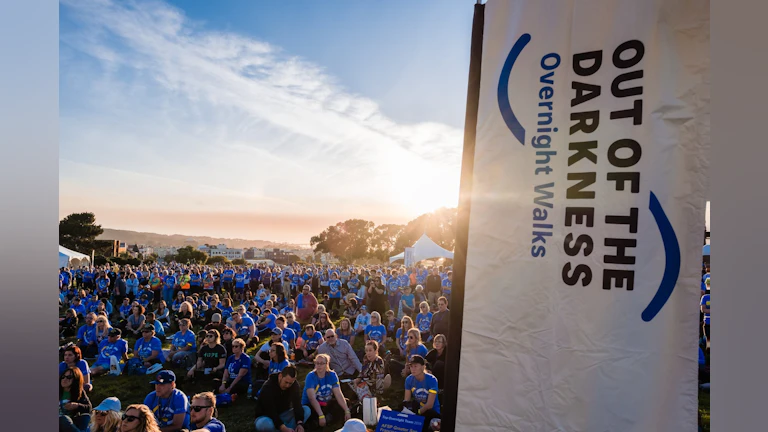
[(393, 286), (288, 335), (255, 274), (227, 275), (334, 288), (376, 333), (353, 284), (705, 302), (420, 390), (159, 329), (270, 322), (180, 340), (404, 280), (165, 409), (125, 310), (82, 365), (275, 367), (419, 350), (169, 281), (295, 326), (347, 338), (391, 325), (195, 280), (323, 387), (242, 327), (702, 359), (239, 281), (80, 309), (107, 349), (234, 365), (144, 349), (226, 312), (401, 338), (312, 342), (93, 305), (87, 333), (102, 284), (423, 321), (409, 300), (447, 285), (212, 426)]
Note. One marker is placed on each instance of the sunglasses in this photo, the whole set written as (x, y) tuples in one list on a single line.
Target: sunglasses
[(411, 337), (69, 377), (198, 408), (210, 335), (100, 413), (129, 418), (330, 337)]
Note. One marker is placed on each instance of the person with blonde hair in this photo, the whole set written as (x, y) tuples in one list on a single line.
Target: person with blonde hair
[(106, 416), (202, 412), (138, 418), (375, 330), (322, 392)]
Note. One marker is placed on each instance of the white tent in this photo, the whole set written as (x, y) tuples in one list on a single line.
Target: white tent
[(425, 248), (69, 257)]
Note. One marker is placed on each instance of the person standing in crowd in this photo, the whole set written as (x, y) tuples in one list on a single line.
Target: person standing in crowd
[(169, 285), (279, 407), (334, 292), (139, 418), (306, 305), (73, 357), (447, 284), (393, 291), (114, 345), (201, 416), (421, 390), (373, 379), (132, 286), (441, 321), (255, 275), (237, 374), (74, 405), (376, 296), (148, 348), (436, 359), (342, 357), (322, 393), (169, 404), (106, 416)]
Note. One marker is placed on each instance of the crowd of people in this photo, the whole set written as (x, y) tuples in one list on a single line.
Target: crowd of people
[(210, 315)]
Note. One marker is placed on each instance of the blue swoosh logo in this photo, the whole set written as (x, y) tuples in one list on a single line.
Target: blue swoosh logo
[(672, 265), (503, 91)]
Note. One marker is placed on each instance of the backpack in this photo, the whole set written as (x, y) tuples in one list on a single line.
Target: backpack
[(135, 366)]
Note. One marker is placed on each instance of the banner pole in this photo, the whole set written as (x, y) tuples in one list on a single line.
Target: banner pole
[(453, 354)]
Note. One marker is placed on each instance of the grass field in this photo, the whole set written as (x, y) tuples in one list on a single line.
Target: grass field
[(239, 416)]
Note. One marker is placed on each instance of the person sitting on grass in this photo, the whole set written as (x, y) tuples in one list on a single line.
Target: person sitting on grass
[(424, 320), (373, 379), (169, 404), (324, 323), (183, 348), (135, 322), (159, 327), (73, 357), (279, 407), (106, 416), (243, 326), (289, 336), (148, 348), (139, 418), (362, 321), (341, 355), (421, 392), (291, 323), (201, 416), (211, 359), (237, 374), (345, 331), (322, 393), (436, 359), (262, 357), (74, 405), (312, 339), (115, 346)]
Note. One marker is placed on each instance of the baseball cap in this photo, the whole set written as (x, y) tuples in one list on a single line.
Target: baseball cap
[(109, 404), (418, 359), (363, 307), (115, 332), (164, 377), (354, 425), (277, 331)]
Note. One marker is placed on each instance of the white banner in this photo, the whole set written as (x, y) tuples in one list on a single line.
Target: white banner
[(408, 258), (587, 216)]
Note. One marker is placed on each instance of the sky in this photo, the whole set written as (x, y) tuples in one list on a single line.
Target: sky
[(260, 120)]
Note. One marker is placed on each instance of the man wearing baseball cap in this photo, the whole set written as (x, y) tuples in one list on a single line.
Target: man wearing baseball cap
[(169, 404), (113, 345)]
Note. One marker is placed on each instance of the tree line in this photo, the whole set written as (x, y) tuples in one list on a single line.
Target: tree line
[(358, 239)]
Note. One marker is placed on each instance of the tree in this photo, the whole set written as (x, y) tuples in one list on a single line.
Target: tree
[(384, 239), (168, 258), (190, 254), (440, 226), (78, 232), (348, 240), (239, 261), (219, 259)]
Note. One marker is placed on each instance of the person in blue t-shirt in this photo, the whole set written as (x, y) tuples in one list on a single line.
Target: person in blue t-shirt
[(113, 345), (237, 370), (202, 409), (421, 392), (376, 331), (407, 303), (334, 292), (322, 392), (393, 291), (424, 321), (447, 283), (239, 284), (87, 339), (278, 359), (183, 345), (148, 348), (169, 284), (312, 339), (291, 323), (169, 404), (78, 307)]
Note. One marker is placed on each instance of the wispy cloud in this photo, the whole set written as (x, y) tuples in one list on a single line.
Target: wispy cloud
[(162, 96)]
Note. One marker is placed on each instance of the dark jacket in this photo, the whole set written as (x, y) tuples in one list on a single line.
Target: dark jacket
[(434, 284), (83, 406), (441, 323), (274, 401)]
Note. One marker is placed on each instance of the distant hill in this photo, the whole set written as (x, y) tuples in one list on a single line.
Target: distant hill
[(180, 240)]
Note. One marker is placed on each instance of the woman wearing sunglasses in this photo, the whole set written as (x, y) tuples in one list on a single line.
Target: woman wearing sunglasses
[(106, 416), (237, 376), (138, 418), (211, 358), (322, 392), (74, 405)]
